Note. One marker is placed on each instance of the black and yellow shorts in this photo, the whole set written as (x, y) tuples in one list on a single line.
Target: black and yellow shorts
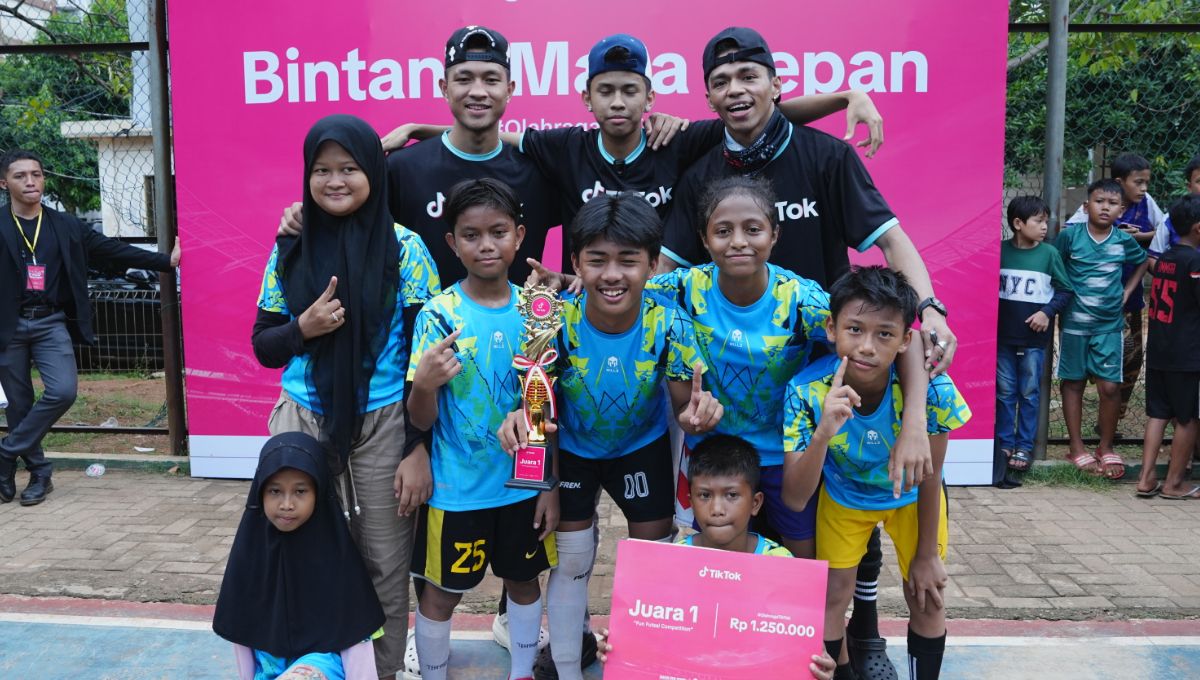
[(455, 547)]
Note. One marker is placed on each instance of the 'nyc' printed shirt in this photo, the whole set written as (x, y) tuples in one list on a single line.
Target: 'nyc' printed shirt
[(1031, 280)]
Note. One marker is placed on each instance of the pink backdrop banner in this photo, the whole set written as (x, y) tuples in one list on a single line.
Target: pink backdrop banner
[(720, 614), (249, 79)]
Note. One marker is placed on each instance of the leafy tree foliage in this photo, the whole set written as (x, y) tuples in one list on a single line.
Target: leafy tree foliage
[(40, 91)]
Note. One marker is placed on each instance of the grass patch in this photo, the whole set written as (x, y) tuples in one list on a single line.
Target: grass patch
[(1066, 476)]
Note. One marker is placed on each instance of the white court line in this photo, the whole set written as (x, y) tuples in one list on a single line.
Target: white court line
[(161, 624), (486, 635)]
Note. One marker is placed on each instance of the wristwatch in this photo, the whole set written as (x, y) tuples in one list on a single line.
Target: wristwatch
[(932, 302)]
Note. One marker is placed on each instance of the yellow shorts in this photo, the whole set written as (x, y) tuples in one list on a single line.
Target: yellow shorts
[(842, 533)]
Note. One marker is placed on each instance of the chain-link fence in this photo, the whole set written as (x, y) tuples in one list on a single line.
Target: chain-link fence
[(1126, 92), (75, 89)]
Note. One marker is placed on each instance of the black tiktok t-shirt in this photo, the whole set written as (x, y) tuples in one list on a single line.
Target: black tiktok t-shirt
[(575, 161), (826, 202), (421, 175), (1173, 312)]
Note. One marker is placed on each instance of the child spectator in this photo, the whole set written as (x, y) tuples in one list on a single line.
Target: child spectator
[(1173, 367), (1033, 289), (1141, 219), (1166, 236), (1091, 343), (724, 473), (840, 420), (296, 598), (462, 386), (616, 347)]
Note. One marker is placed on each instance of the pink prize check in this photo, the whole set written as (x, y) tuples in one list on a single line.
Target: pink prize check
[(681, 612)]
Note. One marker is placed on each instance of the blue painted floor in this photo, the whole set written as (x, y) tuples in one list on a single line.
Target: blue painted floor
[(49, 651)]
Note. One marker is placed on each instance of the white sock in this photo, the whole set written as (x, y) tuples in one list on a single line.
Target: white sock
[(433, 647), (524, 629), (567, 599)]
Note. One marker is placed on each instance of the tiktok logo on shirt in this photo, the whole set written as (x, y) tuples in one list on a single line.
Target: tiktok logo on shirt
[(434, 207), (655, 197), (794, 211)]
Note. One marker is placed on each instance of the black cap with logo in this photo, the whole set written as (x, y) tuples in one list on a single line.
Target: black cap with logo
[(476, 43), (748, 46)]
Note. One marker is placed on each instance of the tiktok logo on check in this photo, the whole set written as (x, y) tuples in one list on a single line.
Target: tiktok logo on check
[(720, 574)]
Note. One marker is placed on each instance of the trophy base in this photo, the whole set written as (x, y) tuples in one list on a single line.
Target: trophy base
[(548, 484), (531, 469)]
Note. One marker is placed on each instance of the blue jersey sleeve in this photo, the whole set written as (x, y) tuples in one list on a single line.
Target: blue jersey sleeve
[(419, 280), (946, 409), (270, 296)]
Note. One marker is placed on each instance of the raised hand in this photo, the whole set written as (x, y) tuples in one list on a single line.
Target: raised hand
[(324, 315), (862, 110), (292, 221), (555, 280), (438, 364), (840, 403), (703, 411)]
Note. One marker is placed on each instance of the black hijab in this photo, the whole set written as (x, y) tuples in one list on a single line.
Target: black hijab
[(298, 592), (361, 250)]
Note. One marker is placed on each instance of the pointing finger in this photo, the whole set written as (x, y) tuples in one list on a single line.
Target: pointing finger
[(840, 373)]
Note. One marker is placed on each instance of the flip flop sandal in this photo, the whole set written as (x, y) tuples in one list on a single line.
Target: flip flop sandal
[(1189, 496), (1151, 493), (1112, 459), (1083, 460), (1020, 461)]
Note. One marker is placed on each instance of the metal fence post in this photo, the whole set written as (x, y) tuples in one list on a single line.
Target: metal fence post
[(1052, 169), (164, 216)]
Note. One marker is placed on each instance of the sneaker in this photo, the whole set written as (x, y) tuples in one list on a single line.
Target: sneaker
[(869, 658), (412, 665), (500, 633), (544, 669)]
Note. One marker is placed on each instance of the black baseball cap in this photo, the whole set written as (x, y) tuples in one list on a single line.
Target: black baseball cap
[(484, 45), (749, 46)]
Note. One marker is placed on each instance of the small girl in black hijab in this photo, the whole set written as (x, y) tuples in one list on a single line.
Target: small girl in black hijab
[(296, 596)]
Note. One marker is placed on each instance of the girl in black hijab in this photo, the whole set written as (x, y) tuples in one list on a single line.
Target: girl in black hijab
[(337, 309), (295, 589)]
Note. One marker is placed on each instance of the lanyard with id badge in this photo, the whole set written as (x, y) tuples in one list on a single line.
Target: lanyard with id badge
[(35, 278)]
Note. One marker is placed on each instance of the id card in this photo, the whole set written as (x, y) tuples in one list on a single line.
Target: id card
[(36, 277)]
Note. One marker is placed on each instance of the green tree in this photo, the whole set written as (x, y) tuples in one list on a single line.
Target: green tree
[(1125, 91), (40, 91)]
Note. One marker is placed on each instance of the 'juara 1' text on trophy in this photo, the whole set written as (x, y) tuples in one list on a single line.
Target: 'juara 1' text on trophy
[(533, 463)]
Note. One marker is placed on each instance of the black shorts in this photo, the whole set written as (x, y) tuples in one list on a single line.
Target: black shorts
[(640, 482), (454, 548), (1172, 394)]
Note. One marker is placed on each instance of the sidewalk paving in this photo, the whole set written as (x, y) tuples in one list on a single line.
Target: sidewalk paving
[(1031, 553)]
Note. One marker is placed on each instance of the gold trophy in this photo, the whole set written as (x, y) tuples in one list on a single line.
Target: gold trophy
[(533, 464)]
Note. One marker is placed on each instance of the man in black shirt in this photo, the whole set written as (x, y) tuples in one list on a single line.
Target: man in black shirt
[(43, 306)]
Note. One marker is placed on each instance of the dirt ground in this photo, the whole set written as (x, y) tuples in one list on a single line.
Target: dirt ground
[(119, 399)]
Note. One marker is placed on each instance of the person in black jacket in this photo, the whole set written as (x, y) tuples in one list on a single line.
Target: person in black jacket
[(44, 306)]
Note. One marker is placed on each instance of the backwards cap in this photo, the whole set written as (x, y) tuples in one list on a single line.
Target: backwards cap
[(749, 46), (485, 45), (605, 56)]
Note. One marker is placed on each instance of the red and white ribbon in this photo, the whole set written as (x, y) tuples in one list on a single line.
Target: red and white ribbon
[(535, 370)]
